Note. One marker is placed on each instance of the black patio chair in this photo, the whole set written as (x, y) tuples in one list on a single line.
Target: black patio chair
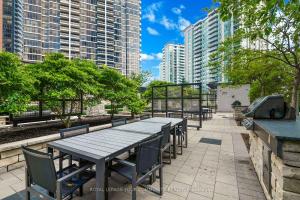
[(118, 122), (147, 116), (166, 144), (42, 178), (181, 132), (146, 163), (71, 132)]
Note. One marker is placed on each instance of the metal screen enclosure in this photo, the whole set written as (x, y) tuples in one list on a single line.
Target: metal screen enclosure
[(181, 100)]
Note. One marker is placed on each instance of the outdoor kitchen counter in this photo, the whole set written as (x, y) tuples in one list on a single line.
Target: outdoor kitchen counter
[(277, 133), (282, 130), (275, 154)]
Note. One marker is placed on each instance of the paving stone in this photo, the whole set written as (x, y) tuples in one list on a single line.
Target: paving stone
[(203, 189), (5, 191), (226, 179), (185, 178), (223, 197), (193, 196), (19, 186), (227, 190), (189, 170), (203, 172), (170, 196), (179, 189)]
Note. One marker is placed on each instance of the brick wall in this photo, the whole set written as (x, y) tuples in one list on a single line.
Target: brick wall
[(285, 175)]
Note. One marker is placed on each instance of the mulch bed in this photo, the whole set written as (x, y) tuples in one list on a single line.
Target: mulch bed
[(33, 131)]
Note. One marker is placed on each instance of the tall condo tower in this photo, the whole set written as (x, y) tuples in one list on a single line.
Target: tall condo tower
[(172, 67), (201, 40), (105, 31)]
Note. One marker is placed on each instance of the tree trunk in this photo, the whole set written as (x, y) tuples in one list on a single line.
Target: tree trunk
[(112, 110), (294, 100)]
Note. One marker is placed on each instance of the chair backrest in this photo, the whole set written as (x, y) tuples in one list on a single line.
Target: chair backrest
[(147, 116), (165, 132), (184, 124), (40, 168), (148, 154), (118, 122), (73, 131)]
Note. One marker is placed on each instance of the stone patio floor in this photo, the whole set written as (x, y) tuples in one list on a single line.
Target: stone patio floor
[(203, 172)]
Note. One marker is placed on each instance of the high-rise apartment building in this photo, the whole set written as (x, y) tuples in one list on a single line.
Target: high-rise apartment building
[(1, 25), (172, 68), (202, 39), (11, 31), (105, 31)]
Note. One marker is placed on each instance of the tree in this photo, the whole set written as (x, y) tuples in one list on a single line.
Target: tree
[(275, 23), (266, 76), (62, 83), (116, 88), (147, 95), (15, 84)]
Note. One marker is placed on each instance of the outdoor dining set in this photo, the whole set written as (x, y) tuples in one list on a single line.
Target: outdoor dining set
[(137, 151)]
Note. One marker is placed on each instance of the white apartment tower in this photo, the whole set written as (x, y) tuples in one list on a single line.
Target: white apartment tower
[(201, 40), (172, 68)]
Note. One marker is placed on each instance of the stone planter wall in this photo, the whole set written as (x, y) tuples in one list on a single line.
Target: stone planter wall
[(285, 175), (11, 156)]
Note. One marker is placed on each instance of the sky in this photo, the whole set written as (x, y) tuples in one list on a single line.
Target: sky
[(162, 23)]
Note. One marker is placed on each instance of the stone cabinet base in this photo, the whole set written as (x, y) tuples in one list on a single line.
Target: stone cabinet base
[(285, 172)]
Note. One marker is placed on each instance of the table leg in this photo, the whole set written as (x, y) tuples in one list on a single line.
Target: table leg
[(174, 144), (100, 180)]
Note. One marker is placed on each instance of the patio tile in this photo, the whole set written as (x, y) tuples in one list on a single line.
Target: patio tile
[(189, 170), (203, 172), (226, 179), (179, 189), (203, 189), (211, 164), (193, 196), (185, 178), (223, 197), (6, 191), (252, 193), (17, 187), (227, 190), (8, 179), (170, 196)]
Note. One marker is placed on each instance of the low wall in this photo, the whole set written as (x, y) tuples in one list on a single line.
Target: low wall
[(285, 173), (11, 156)]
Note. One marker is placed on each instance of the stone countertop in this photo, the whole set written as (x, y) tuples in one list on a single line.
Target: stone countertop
[(281, 129)]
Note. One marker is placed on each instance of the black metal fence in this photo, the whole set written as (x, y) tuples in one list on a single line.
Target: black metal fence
[(42, 110), (209, 104), (179, 99)]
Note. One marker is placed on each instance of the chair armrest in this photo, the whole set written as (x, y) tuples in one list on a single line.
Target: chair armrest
[(74, 173), (124, 162)]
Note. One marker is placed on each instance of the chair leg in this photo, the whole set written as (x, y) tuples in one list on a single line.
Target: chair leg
[(133, 183), (70, 160), (27, 196), (186, 139), (133, 192), (161, 185), (27, 179), (170, 154), (60, 162), (180, 144), (107, 174)]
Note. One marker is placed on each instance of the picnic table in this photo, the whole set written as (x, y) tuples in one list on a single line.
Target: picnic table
[(102, 146)]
